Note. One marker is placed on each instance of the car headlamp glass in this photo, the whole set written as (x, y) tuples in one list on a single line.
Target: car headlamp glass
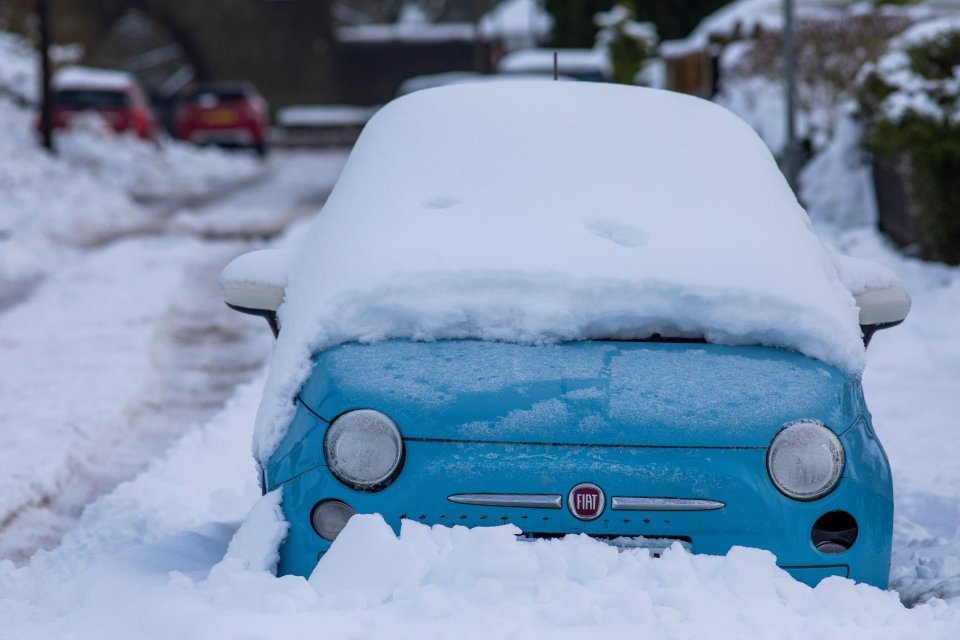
[(805, 460), (364, 449), (330, 517)]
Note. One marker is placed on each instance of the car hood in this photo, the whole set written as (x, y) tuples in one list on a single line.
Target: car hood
[(585, 393)]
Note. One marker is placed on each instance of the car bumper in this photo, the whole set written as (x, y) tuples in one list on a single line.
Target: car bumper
[(753, 514)]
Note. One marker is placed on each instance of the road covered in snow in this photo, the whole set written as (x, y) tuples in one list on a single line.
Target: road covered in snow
[(120, 349)]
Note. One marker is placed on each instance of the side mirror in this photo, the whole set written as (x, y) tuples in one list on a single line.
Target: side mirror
[(254, 283), (883, 300)]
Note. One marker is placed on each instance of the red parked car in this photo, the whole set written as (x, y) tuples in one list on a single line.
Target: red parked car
[(115, 95), (224, 113)]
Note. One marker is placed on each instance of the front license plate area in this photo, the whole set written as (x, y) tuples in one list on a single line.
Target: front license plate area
[(654, 545)]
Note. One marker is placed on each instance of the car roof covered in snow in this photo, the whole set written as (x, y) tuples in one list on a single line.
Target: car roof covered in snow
[(538, 212), (92, 78)]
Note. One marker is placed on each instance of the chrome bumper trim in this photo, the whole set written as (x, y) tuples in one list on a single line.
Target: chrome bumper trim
[(527, 500), (633, 503)]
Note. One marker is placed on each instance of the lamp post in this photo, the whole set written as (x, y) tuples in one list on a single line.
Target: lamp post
[(46, 105), (791, 158)]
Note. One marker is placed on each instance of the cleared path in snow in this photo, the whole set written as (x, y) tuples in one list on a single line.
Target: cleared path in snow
[(127, 347)]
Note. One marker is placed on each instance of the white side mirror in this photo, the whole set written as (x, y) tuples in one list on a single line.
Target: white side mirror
[(887, 306), (883, 300), (254, 283)]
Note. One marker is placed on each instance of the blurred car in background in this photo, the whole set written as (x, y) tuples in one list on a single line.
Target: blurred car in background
[(223, 113), (116, 96)]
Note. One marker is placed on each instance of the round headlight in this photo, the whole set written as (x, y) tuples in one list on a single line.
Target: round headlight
[(363, 449), (805, 460)]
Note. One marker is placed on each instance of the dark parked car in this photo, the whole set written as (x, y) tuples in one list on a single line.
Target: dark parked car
[(223, 113)]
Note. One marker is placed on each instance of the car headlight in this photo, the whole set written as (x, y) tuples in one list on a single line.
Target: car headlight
[(364, 449), (805, 460)]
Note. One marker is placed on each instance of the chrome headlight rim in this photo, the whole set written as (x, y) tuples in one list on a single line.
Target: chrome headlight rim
[(833, 480), (336, 429)]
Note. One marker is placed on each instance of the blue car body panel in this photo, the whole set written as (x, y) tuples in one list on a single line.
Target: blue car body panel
[(684, 420)]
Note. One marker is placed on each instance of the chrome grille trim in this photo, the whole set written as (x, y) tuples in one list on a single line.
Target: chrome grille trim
[(636, 503), (527, 500)]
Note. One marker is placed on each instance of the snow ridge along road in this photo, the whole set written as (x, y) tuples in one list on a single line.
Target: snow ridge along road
[(127, 346)]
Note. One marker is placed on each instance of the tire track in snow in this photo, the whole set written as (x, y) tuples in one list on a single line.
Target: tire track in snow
[(173, 361)]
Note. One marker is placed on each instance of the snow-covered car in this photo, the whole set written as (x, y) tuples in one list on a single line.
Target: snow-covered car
[(115, 96), (577, 309)]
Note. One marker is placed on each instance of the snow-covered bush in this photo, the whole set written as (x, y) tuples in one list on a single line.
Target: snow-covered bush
[(830, 53), (630, 43), (910, 100)]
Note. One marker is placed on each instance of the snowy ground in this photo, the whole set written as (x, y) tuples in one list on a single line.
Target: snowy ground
[(126, 346), (128, 401), (147, 559)]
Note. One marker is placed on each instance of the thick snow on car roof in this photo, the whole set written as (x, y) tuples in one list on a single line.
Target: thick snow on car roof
[(538, 212), (92, 78)]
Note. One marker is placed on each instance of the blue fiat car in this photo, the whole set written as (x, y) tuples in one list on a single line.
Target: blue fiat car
[(641, 441)]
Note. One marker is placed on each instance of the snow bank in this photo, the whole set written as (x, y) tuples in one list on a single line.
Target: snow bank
[(538, 212), (517, 23), (146, 171), (838, 183), (255, 546), (428, 582), (47, 203), (743, 18), (18, 68), (910, 91), (740, 18), (94, 189)]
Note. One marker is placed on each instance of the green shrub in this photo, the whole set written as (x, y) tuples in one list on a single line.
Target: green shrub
[(629, 43), (910, 101)]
